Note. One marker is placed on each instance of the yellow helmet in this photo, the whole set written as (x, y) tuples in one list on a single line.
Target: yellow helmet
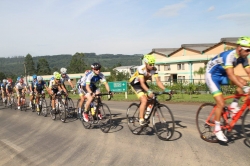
[(57, 76), (244, 41), (149, 59)]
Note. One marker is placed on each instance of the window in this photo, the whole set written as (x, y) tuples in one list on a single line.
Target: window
[(181, 77), (166, 67), (180, 66), (166, 78), (159, 67)]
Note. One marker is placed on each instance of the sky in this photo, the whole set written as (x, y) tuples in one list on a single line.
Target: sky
[(53, 27)]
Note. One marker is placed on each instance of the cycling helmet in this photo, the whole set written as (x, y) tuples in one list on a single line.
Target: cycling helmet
[(34, 76), (18, 78), (10, 81), (55, 73), (63, 70), (244, 41), (57, 76), (149, 59), (21, 80), (96, 66), (39, 78), (4, 81)]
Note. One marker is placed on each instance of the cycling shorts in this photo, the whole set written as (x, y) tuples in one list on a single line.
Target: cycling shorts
[(93, 88), (214, 81), (138, 90)]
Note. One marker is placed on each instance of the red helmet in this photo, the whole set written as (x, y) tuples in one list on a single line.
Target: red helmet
[(21, 80), (10, 81)]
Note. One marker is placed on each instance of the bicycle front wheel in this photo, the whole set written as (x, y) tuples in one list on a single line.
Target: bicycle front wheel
[(163, 122), (71, 109), (133, 118), (246, 125), (62, 112), (104, 117), (43, 108), (205, 122)]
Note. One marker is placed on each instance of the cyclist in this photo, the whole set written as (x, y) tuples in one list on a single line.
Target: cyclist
[(81, 93), (138, 81), (55, 86), (9, 89), (31, 88), (90, 89), (38, 88), (3, 90), (21, 89), (220, 71), (65, 77)]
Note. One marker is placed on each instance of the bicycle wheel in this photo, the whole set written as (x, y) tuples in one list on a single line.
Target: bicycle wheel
[(205, 122), (62, 112), (133, 118), (43, 108), (71, 109), (163, 122), (88, 125), (246, 125), (104, 117)]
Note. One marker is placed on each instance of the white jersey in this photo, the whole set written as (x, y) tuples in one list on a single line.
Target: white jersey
[(20, 86)]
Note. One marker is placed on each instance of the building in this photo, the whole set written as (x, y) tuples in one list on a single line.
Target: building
[(181, 63), (126, 69)]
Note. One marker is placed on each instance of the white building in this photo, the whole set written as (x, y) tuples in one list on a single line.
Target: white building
[(126, 69)]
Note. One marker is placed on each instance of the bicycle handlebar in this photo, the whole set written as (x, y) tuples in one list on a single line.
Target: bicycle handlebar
[(161, 93), (102, 94)]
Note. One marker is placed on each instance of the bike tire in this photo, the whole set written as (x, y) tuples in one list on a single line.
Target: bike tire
[(62, 112), (133, 118), (104, 117), (205, 130), (88, 125), (71, 110), (246, 125), (163, 122), (43, 109)]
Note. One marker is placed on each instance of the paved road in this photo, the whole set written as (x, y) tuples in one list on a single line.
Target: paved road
[(27, 139)]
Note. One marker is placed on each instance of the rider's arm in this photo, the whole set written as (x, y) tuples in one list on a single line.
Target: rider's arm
[(88, 88), (247, 69), (232, 77), (107, 86), (142, 82), (159, 83)]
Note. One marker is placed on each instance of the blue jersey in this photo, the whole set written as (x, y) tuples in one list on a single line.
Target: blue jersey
[(3, 86), (33, 84), (227, 59), (91, 78), (40, 86)]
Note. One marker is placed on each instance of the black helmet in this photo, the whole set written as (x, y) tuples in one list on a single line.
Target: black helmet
[(96, 66)]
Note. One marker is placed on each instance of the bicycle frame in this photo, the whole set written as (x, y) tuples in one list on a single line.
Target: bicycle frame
[(229, 126)]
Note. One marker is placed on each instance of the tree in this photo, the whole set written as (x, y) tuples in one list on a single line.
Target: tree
[(2, 76), (200, 72), (77, 64), (43, 67), (29, 65)]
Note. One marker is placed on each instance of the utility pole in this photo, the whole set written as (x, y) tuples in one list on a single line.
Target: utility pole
[(25, 73)]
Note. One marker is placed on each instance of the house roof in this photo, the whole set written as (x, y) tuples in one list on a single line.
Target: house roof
[(229, 39), (163, 51)]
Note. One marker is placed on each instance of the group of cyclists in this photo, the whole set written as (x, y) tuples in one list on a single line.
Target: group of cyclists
[(219, 71)]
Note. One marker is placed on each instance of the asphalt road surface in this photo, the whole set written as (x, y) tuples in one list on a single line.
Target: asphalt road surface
[(28, 139)]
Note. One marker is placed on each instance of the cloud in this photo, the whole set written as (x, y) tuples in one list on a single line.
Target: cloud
[(239, 18), (211, 8), (171, 10)]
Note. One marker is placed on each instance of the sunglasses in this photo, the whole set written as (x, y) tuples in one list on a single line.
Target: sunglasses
[(96, 69), (248, 50), (152, 64), (57, 79)]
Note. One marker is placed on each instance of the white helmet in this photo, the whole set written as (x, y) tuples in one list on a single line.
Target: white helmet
[(4, 81), (63, 70), (39, 78)]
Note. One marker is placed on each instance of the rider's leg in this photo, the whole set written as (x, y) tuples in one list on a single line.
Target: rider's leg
[(234, 104), (143, 100), (31, 98)]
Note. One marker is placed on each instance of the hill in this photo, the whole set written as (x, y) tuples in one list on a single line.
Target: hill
[(14, 65)]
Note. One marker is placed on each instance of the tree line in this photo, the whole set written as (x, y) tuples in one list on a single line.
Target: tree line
[(78, 63)]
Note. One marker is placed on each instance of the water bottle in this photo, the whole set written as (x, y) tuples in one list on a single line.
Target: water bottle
[(148, 111), (92, 108)]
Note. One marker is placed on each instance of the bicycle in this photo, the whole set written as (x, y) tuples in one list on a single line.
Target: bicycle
[(70, 108), (23, 105), (60, 108), (162, 117), (12, 102), (99, 114), (205, 119), (42, 104), (33, 102)]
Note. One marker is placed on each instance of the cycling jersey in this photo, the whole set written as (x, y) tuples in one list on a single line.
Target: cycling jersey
[(215, 72), (9, 87), (53, 85), (33, 84), (142, 72), (40, 86), (63, 79), (3, 86), (91, 78)]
